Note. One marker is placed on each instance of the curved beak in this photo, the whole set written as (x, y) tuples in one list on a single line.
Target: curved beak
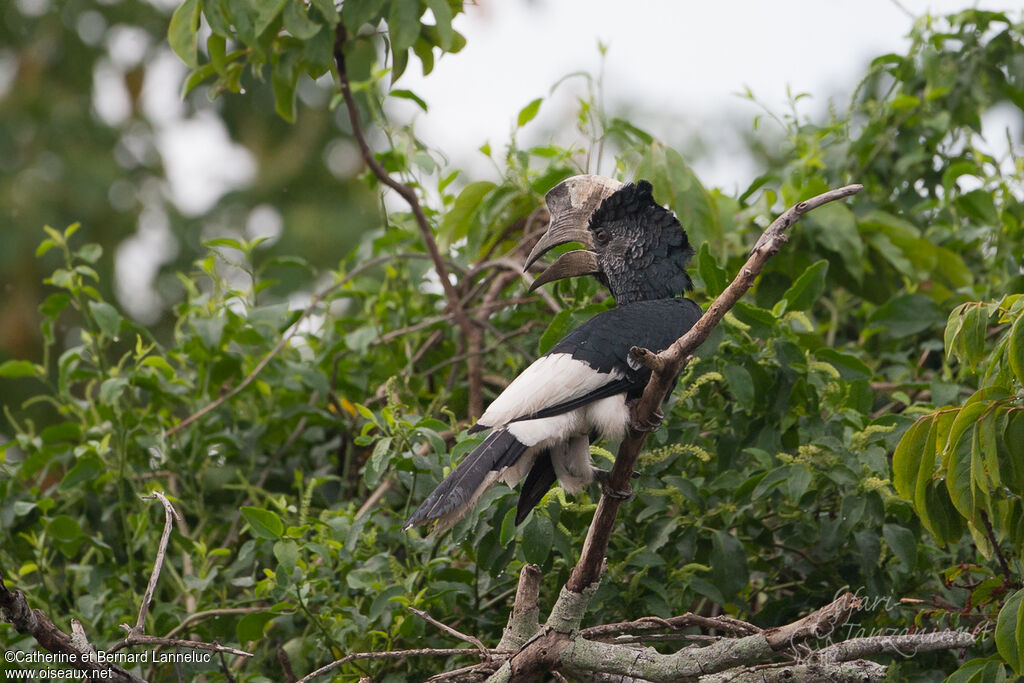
[(569, 264), (571, 204)]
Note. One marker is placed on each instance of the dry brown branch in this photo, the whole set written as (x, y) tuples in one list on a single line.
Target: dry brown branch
[(132, 641), (471, 333)]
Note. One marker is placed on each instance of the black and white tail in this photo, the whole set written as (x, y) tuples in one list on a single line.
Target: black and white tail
[(461, 489)]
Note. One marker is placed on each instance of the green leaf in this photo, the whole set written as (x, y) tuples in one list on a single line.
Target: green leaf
[(404, 24), (266, 12), (251, 627), (297, 23), (527, 113), (328, 10), (183, 31), (910, 451), (730, 563), (110, 389), (905, 315), (45, 246), (456, 223), (287, 553), (107, 317), (86, 469), (90, 253), (355, 14), (714, 276), (1010, 632), (1015, 348), (740, 384), (850, 367), (537, 539), (409, 95), (833, 227), (443, 17), (264, 523), (283, 80), (64, 528), (807, 288), (902, 543), (20, 368)]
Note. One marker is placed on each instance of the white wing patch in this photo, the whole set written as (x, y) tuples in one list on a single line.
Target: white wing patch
[(550, 380)]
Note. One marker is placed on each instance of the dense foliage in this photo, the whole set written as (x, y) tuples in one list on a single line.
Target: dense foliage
[(891, 324)]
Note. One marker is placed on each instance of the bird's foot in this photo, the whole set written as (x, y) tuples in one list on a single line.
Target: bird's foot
[(602, 478), (645, 425)]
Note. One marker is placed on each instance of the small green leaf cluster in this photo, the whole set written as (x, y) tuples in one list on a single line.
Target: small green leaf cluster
[(295, 38)]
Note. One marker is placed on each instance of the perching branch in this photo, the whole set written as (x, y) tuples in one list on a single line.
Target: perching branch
[(471, 333), (556, 645), (665, 367)]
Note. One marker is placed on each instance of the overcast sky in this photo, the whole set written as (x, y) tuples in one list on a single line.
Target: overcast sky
[(684, 63)]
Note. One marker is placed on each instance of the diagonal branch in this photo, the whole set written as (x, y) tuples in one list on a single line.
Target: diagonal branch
[(665, 368), (473, 335)]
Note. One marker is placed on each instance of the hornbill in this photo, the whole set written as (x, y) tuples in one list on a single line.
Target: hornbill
[(543, 422)]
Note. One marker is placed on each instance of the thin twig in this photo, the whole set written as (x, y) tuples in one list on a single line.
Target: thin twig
[(472, 334), (131, 641), (394, 654), (170, 514), (475, 642)]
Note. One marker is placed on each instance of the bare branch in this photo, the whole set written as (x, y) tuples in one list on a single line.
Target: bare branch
[(394, 654), (170, 514), (471, 333), (475, 642)]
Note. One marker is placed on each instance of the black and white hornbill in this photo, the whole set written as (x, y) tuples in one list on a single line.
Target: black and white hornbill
[(543, 422)]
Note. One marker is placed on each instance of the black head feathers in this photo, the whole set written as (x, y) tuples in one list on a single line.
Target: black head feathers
[(641, 248)]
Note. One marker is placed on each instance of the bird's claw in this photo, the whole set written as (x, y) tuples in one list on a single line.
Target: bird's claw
[(651, 425), (602, 478)]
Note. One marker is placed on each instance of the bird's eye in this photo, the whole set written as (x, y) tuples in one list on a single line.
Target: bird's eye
[(601, 235)]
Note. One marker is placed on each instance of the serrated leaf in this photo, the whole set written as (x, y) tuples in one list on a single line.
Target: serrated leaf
[(183, 31), (807, 288), (264, 523), (527, 113)]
